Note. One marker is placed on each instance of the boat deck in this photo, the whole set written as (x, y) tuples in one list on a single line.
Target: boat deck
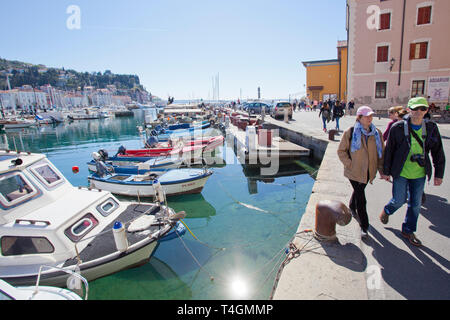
[(105, 244)]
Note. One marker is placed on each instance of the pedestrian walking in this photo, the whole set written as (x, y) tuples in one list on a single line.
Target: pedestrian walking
[(344, 106), (361, 151), (395, 114), (338, 113), (351, 106), (326, 115), (407, 161)]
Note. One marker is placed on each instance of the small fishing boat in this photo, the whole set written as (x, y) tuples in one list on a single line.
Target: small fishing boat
[(152, 145), (158, 164), (47, 221), (173, 182), (17, 123), (188, 154), (39, 292)]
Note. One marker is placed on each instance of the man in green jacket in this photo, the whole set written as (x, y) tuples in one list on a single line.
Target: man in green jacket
[(406, 159)]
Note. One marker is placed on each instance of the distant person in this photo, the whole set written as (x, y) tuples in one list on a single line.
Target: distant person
[(302, 105), (326, 115), (344, 105), (361, 151), (407, 161), (351, 106), (395, 114), (338, 113)]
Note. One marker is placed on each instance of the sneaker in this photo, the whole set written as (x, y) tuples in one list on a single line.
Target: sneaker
[(364, 234)]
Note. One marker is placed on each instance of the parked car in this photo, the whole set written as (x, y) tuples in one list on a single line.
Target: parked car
[(256, 107), (278, 109)]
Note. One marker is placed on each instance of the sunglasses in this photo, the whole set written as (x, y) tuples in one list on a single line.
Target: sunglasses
[(421, 108)]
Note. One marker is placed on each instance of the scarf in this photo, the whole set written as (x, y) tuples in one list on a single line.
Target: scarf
[(356, 139)]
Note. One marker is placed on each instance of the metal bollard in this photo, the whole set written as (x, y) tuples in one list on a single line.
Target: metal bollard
[(328, 213), (331, 134)]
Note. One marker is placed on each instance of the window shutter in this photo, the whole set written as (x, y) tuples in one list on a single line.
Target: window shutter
[(412, 51), (385, 21), (423, 50), (427, 15), (420, 16), (424, 15)]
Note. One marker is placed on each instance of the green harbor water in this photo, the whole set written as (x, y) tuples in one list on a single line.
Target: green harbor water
[(242, 223)]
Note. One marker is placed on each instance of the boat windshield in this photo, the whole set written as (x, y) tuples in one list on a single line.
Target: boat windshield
[(15, 188), (47, 175)]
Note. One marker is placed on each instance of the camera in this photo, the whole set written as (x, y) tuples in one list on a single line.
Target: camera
[(419, 158)]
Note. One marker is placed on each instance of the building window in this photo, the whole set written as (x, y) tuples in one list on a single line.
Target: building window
[(380, 90), (383, 54), (418, 88), (424, 15), (385, 21), (418, 50)]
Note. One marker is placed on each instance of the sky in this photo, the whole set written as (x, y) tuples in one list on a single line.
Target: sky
[(177, 47)]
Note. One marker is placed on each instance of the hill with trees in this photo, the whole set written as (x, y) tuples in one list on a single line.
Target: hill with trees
[(21, 73)]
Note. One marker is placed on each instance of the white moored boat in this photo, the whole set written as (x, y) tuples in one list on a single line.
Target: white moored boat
[(38, 292), (44, 220), (173, 182)]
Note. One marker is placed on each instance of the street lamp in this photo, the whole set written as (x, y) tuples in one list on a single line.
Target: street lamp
[(391, 64)]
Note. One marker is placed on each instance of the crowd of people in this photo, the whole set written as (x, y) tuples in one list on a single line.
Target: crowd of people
[(401, 153)]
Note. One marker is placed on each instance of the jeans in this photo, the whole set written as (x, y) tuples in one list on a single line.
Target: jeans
[(337, 123), (400, 187), (358, 203), (324, 122)]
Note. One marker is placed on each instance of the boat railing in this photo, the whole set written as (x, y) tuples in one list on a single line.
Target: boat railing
[(73, 282)]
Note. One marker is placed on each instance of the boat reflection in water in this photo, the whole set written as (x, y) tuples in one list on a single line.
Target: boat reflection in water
[(287, 168)]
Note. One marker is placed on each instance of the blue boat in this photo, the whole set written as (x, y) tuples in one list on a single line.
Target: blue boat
[(185, 125)]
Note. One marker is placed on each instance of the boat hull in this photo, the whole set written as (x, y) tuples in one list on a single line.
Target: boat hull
[(95, 269), (145, 189)]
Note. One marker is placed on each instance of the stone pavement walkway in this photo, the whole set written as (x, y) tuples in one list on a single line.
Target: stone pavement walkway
[(385, 266)]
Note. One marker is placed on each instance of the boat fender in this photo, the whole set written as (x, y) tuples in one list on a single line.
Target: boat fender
[(120, 237), (159, 194), (141, 223)]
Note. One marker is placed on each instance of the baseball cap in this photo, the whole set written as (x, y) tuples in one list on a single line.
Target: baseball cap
[(364, 111), (417, 102)]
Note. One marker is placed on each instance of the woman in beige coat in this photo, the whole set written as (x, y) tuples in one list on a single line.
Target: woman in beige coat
[(361, 151)]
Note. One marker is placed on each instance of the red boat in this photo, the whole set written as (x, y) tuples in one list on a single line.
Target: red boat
[(191, 151), (165, 149)]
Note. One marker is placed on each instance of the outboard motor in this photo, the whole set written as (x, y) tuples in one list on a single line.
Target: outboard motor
[(152, 142), (121, 150), (100, 166), (103, 154)]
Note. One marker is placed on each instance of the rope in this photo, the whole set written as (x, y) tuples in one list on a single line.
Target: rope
[(293, 253)]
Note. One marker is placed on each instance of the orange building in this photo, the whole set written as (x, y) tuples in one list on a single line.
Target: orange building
[(328, 78)]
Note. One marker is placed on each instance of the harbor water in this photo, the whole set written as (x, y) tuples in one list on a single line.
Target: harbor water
[(238, 227)]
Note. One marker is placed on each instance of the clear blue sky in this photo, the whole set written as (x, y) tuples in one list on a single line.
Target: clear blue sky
[(177, 46)]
